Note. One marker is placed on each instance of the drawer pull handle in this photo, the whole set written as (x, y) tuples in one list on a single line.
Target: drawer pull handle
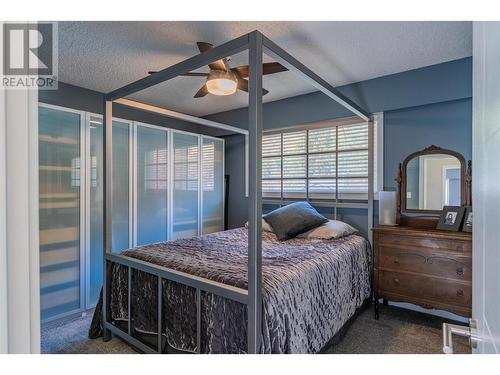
[(460, 271), (396, 262), (460, 293), (460, 247), (396, 281)]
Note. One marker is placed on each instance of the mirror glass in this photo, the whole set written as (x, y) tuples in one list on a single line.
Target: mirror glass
[(433, 181)]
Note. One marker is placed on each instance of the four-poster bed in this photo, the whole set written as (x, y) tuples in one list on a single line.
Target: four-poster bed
[(251, 296)]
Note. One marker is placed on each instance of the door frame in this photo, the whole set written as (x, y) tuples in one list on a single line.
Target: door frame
[(4, 318), (445, 183), (19, 231), (484, 129)]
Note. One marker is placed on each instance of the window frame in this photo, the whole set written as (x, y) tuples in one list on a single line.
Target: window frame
[(337, 194)]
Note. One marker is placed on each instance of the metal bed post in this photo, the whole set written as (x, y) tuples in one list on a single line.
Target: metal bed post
[(335, 209), (160, 313), (198, 320), (255, 195), (256, 43), (108, 206), (284, 58), (280, 55), (370, 180)]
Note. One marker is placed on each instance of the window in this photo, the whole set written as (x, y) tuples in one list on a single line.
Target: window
[(155, 169), (208, 166), (75, 172), (313, 163), (93, 171), (186, 167)]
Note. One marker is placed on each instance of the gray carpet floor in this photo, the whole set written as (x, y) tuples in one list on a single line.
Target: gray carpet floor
[(398, 331), (70, 337)]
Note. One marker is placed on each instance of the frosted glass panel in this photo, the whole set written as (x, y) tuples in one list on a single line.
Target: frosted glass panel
[(120, 224), (95, 179), (185, 189), (59, 217), (152, 183), (212, 174), (121, 193)]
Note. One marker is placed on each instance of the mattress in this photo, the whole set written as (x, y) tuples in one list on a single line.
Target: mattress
[(310, 289)]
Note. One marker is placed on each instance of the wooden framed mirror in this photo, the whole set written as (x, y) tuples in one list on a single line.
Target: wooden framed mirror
[(430, 179)]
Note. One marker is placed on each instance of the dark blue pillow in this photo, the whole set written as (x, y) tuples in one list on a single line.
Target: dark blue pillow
[(291, 220)]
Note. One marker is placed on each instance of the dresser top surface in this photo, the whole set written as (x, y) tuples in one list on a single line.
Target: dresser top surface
[(421, 232)]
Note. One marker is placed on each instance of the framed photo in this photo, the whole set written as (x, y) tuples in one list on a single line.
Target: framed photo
[(451, 218), (467, 227)]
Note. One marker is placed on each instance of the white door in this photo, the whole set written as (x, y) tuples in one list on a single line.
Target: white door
[(486, 185)]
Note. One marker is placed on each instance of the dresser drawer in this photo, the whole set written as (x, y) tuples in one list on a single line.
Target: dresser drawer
[(428, 242), (426, 261), (444, 291)]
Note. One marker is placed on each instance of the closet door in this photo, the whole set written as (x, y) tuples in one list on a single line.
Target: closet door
[(59, 217), (95, 180), (95, 210), (152, 184), (212, 177), (121, 186), (186, 184)]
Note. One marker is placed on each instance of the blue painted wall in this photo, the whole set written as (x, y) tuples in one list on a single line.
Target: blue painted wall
[(433, 84), (235, 167), (412, 183), (430, 105), (447, 125)]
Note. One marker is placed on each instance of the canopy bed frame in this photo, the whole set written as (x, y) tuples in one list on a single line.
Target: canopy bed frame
[(257, 44)]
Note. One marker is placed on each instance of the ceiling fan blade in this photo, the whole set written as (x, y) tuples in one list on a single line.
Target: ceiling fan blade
[(190, 74), (242, 71), (243, 86), (273, 67), (219, 65), (194, 74), (204, 46), (267, 68), (216, 65), (201, 92)]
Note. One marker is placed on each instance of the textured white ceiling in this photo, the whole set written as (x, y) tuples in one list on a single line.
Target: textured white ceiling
[(104, 56)]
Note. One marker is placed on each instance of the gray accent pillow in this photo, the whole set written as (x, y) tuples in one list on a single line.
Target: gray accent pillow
[(291, 220)]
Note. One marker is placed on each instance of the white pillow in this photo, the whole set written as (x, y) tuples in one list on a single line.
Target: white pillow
[(330, 230), (265, 226)]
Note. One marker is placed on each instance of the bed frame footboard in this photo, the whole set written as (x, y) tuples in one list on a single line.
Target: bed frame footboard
[(257, 45), (162, 273)]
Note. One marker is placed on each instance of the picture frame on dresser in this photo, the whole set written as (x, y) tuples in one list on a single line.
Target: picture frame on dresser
[(467, 222), (415, 262), (451, 218)]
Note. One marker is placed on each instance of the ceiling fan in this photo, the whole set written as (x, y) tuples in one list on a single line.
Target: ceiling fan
[(224, 80)]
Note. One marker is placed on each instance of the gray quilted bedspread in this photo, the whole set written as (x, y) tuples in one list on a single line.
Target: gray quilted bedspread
[(310, 289)]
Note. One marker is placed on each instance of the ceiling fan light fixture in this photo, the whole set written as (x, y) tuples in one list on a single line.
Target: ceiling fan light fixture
[(221, 83)]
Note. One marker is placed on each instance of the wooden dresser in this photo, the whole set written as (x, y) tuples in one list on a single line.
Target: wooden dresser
[(426, 267)]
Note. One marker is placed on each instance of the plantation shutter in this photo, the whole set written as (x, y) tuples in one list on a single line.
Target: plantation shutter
[(303, 164)]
